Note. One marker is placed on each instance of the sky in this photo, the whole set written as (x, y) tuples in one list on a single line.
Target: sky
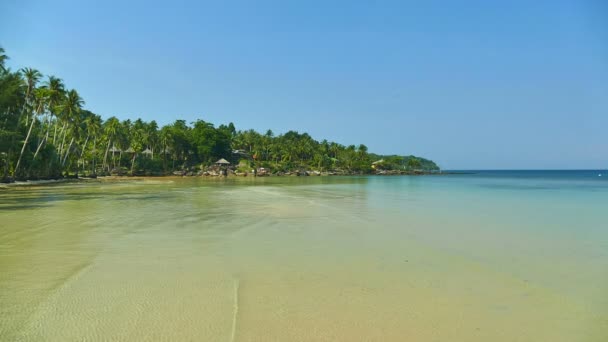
[(469, 84)]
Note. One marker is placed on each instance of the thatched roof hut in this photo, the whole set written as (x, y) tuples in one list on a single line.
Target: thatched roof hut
[(147, 151), (222, 162), (115, 149), (377, 163)]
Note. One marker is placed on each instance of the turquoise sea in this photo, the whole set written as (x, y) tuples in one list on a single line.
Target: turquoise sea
[(474, 256)]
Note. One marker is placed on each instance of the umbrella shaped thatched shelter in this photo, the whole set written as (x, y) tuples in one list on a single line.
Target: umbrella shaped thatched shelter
[(223, 164)]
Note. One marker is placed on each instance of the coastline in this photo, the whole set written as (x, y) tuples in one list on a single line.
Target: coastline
[(100, 179)]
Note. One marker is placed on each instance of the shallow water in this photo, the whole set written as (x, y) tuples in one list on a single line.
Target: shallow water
[(485, 257)]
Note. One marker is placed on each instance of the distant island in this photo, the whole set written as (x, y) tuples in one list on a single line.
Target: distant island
[(45, 133)]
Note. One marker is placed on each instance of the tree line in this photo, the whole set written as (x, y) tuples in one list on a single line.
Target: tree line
[(45, 132)]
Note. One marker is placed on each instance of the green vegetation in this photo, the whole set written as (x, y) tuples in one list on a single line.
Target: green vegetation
[(406, 163), (46, 133)]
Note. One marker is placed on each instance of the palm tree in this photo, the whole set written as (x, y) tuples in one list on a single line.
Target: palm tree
[(267, 142), (112, 126), (53, 90), (11, 98), (40, 94), (71, 107), (152, 136), (31, 78), (92, 125), (41, 101), (3, 58), (56, 90), (94, 128)]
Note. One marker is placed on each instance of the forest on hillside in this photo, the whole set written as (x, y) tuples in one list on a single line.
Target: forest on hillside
[(46, 132)]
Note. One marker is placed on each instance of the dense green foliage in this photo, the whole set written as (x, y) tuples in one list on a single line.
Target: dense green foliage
[(46, 133), (394, 162)]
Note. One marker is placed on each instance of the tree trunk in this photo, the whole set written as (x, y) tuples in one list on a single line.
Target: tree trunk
[(55, 132), (42, 141), (133, 163), (65, 132), (27, 96), (94, 155), (27, 137), (105, 157), (48, 127), (84, 146), (67, 152), (39, 146)]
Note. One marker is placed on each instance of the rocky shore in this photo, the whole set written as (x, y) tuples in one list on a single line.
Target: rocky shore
[(218, 172)]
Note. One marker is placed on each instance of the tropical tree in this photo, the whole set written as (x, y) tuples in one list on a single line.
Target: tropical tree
[(31, 78), (11, 100), (70, 109), (92, 126), (3, 59), (40, 96), (56, 94), (45, 131), (110, 131)]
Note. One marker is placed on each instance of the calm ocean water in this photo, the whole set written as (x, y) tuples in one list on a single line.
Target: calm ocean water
[(478, 256)]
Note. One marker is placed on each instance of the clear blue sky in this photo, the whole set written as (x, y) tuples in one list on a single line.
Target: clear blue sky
[(470, 84)]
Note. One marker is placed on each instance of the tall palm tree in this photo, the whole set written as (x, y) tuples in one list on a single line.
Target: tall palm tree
[(92, 125), (111, 128), (71, 107), (94, 129), (40, 95), (166, 141), (56, 90), (31, 79), (152, 136), (41, 102)]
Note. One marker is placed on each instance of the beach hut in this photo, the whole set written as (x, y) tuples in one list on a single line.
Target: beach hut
[(130, 150), (147, 152), (114, 151), (222, 162), (377, 163)]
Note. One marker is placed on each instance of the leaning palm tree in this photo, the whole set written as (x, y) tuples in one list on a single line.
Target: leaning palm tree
[(31, 77), (40, 103), (92, 125), (71, 107), (56, 93), (40, 95)]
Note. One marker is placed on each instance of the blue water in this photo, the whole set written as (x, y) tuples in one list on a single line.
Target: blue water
[(473, 256), (557, 220), (536, 174)]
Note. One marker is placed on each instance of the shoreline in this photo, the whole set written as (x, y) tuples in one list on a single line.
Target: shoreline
[(99, 179)]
